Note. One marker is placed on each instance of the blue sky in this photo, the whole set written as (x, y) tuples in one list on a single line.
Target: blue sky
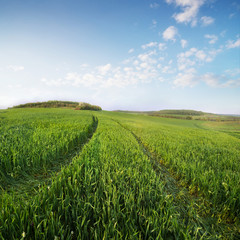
[(122, 54)]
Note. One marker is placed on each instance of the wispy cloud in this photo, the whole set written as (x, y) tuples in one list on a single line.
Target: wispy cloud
[(190, 9), (152, 64), (131, 50), (191, 78), (212, 38), (154, 24), (162, 46), (149, 45), (104, 69), (195, 56), (220, 81), (154, 5), (233, 44), (207, 20), (183, 43), (170, 33), (15, 68), (231, 15), (187, 79), (86, 79), (144, 67), (146, 57)]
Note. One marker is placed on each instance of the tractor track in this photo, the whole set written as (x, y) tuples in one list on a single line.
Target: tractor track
[(29, 184), (186, 204)]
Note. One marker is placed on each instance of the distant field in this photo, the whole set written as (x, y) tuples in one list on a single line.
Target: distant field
[(67, 174), (229, 127), (187, 115)]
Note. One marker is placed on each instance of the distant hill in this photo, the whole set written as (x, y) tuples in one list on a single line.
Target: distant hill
[(186, 114), (60, 104), (181, 112), (168, 112), (49, 104)]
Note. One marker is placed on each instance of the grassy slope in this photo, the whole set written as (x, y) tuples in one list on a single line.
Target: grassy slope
[(230, 127), (112, 189), (203, 158), (186, 114), (32, 140), (109, 191)]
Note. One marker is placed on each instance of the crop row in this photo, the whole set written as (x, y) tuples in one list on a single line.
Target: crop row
[(110, 191), (31, 140), (207, 162)]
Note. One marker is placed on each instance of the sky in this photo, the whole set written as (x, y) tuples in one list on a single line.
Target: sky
[(122, 54)]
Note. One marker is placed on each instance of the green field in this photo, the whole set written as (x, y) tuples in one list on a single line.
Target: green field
[(68, 174)]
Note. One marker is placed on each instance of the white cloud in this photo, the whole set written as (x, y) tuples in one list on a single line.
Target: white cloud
[(212, 54), (170, 33), (195, 56), (154, 22), (213, 38), (88, 79), (231, 15), (144, 65), (183, 43), (149, 45), (148, 66), (190, 52), (189, 9), (131, 50), (154, 5), (74, 79), (190, 78), (162, 46), (168, 69), (103, 70), (207, 20), (184, 61), (232, 44), (233, 72), (201, 55), (146, 57), (211, 80), (15, 68), (135, 62), (126, 61), (223, 33), (141, 68), (185, 80), (220, 81)]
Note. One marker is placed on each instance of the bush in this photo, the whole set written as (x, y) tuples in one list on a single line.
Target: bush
[(87, 106)]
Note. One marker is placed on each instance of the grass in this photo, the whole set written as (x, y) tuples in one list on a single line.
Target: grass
[(230, 127), (34, 140), (207, 162), (128, 177)]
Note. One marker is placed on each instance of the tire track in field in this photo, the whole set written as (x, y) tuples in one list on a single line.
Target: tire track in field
[(187, 204), (29, 186), (172, 185)]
